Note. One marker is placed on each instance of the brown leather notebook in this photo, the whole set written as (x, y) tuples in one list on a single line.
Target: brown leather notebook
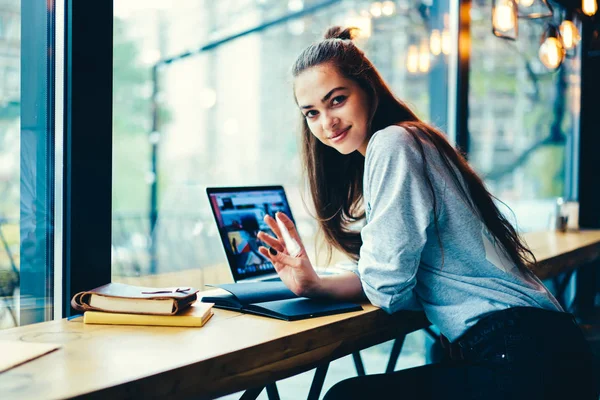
[(123, 298)]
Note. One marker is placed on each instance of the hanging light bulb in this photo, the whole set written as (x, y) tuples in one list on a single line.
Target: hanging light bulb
[(388, 8), (412, 59), (569, 33), (503, 16), (363, 23), (435, 42), (504, 19), (376, 9), (424, 57), (589, 7), (552, 51)]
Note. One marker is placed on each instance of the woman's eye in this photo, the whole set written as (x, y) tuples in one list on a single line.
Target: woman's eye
[(337, 100), (310, 114)]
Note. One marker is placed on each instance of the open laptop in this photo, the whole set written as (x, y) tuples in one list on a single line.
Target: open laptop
[(239, 213)]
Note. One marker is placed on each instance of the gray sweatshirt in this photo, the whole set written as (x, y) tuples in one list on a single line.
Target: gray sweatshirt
[(400, 263)]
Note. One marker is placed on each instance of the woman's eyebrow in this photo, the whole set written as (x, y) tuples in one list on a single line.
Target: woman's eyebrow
[(327, 96)]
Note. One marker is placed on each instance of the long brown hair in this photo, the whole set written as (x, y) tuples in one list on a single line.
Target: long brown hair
[(336, 180)]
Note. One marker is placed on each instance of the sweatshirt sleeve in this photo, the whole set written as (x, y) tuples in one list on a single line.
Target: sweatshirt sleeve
[(399, 209)]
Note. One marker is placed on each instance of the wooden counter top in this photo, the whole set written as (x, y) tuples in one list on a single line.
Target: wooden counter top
[(231, 352), (558, 252)]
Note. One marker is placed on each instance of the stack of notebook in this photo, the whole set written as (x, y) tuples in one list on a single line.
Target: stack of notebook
[(121, 304)]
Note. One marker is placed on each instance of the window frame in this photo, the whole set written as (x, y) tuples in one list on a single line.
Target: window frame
[(88, 147)]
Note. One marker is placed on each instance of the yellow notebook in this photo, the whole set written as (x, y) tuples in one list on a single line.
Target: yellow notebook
[(193, 316)]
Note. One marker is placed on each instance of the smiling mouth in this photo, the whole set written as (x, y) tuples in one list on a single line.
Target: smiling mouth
[(340, 133)]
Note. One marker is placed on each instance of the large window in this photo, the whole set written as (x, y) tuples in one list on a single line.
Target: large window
[(523, 119), (27, 180), (225, 115)]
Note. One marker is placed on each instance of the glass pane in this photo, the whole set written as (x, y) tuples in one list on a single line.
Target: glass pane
[(226, 116), (26, 165), (522, 119)]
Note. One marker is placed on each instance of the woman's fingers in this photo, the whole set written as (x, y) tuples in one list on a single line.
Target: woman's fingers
[(270, 240), (291, 227), (289, 224), (273, 225), (270, 221), (263, 250), (285, 259), (280, 258)]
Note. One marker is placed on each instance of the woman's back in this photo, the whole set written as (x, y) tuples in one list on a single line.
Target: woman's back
[(471, 278)]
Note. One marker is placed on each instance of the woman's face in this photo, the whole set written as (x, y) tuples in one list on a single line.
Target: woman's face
[(336, 109)]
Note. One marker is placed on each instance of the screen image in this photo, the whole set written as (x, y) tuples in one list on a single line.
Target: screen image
[(240, 216)]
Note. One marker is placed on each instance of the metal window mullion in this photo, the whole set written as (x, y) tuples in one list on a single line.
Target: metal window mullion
[(59, 58)]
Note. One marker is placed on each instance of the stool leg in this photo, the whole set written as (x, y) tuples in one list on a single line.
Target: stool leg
[(431, 333), (560, 284), (586, 288)]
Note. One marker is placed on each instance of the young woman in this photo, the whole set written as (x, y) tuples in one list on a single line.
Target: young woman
[(432, 240)]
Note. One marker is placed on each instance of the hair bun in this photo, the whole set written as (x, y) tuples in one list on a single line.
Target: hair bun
[(337, 32)]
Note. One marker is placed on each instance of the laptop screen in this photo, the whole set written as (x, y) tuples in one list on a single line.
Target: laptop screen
[(239, 214)]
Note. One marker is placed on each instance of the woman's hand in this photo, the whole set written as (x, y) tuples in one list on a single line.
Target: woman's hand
[(297, 273)]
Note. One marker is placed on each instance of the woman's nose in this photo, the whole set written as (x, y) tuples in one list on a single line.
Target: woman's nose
[(330, 122)]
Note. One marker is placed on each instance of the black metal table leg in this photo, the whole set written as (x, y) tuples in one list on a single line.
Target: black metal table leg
[(321, 372), (272, 392), (360, 368), (252, 394), (317, 383), (395, 354)]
